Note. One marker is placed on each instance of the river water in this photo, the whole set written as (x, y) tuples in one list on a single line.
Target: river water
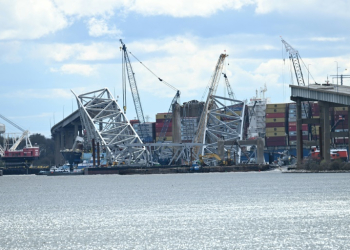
[(265, 210)]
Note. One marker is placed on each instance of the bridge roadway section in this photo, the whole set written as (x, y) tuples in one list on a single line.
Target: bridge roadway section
[(328, 95), (64, 134)]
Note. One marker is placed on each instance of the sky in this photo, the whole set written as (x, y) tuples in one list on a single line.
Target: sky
[(50, 47)]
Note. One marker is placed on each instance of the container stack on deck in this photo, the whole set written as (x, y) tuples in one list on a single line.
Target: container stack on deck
[(292, 124), (276, 125), (188, 128), (315, 113), (147, 131), (341, 124), (160, 120)]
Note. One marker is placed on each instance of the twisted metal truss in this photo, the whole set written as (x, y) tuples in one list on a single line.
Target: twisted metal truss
[(214, 81), (224, 123), (106, 122)]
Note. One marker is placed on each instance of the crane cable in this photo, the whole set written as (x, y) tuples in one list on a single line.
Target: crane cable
[(160, 79)]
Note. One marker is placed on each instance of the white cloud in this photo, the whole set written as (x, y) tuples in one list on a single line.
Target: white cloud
[(25, 19), (337, 8), (77, 52), (179, 8), (90, 8), (80, 69), (185, 8), (99, 27), (32, 19), (327, 39)]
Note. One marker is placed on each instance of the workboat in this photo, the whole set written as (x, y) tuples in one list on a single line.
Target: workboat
[(335, 154), (62, 170)]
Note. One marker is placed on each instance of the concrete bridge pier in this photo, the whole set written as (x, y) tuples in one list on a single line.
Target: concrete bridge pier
[(326, 131), (299, 133)]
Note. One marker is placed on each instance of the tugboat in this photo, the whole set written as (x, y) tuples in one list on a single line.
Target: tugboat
[(336, 153)]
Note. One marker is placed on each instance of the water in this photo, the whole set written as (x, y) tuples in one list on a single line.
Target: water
[(266, 210)]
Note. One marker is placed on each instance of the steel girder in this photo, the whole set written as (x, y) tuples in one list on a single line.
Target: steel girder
[(224, 123), (105, 121)]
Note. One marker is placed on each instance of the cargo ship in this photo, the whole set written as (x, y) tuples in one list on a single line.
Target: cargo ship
[(276, 122)]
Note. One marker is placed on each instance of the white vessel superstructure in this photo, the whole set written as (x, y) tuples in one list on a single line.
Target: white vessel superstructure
[(257, 113)]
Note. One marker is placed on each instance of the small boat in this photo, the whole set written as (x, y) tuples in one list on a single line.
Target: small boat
[(62, 170), (43, 172)]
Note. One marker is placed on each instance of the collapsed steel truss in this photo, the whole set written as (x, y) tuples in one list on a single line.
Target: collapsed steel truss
[(105, 121), (224, 123)]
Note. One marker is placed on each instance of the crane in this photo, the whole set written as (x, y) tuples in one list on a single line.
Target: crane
[(133, 87), (25, 135), (168, 117), (295, 58), (229, 89), (200, 135)]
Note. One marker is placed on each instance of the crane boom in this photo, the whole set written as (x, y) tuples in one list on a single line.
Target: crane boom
[(168, 117), (200, 135), (294, 57), (228, 86), (25, 135), (133, 88), (12, 123)]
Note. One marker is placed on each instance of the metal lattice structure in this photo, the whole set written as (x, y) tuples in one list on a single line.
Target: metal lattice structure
[(105, 121), (133, 88), (294, 57), (24, 136), (218, 121), (200, 135), (224, 123)]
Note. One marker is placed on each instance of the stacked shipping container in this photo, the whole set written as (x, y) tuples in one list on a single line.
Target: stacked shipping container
[(341, 124), (315, 113), (188, 128), (275, 125), (147, 131), (160, 119), (292, 124)]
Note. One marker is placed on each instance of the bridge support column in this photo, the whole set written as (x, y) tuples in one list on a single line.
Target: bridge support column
[(260, 150), (75, 130), (326, 131), (62, 139), (221, 149), (299, 134), (58, 156), (348, 132), (176, 123)]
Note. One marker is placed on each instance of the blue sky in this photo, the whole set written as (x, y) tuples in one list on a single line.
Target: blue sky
[(48, 47)]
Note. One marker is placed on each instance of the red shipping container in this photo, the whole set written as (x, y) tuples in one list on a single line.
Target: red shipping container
[(341, 112), (275, 124), (304, 127), (162, 120), (292, 124), (341, 141), (275, 143), (275, 115), (294, 138), (160, 125), (167, 134), (160, 129), (276, 138)]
